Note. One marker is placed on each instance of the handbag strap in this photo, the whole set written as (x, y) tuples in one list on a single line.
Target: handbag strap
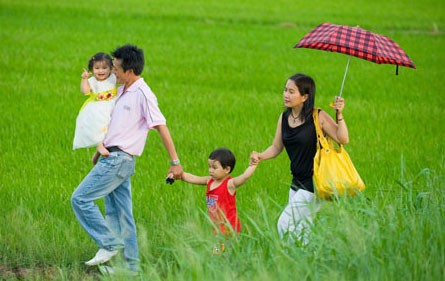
[(322, 141)]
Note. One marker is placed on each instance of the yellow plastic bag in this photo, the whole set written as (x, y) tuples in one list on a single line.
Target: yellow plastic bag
[(334, 173)]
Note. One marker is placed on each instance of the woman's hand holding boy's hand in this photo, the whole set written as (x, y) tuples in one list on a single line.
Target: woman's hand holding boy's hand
[(254, 158)]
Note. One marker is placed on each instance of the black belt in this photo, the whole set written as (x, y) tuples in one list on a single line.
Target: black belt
[(114, 149), (296, 185), (117, 149)]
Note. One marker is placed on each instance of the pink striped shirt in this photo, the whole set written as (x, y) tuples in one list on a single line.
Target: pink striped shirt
[(136, 111)]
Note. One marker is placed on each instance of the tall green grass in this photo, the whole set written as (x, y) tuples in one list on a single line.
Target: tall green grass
[(218, 70)]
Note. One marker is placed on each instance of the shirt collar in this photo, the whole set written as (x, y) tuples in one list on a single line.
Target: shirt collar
[(133, 86)]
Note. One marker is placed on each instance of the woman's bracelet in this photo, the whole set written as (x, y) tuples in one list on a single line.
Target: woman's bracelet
[(338, 120)]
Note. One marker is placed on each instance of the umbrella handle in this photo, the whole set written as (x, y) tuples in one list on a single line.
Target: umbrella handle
[(344, 76)]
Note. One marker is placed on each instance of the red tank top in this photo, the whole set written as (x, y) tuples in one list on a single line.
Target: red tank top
[(221, 207)]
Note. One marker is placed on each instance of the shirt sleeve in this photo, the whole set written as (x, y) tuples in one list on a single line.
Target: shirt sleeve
[(151, 111)]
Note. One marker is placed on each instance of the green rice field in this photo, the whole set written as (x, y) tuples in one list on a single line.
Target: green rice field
[(218, 69)]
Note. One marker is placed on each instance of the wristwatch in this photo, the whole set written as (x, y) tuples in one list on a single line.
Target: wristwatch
[(175, 162)]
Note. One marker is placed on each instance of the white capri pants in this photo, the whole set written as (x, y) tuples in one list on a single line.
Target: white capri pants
[(296, 219)]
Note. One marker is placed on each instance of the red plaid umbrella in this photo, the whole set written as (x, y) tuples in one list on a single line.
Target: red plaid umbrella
[(357, 42)]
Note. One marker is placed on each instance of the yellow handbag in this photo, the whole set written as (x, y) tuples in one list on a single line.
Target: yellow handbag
[(334, 173)]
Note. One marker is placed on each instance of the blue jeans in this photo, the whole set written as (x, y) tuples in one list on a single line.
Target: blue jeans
[(109, 179)]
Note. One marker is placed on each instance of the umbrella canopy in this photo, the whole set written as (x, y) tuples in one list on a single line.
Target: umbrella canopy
[(356, 42)]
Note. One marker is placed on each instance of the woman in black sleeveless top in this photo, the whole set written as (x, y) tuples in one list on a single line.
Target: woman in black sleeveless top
[(296, 133)]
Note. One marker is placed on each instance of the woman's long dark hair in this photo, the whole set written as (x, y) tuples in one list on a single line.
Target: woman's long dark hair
[(306, 86)]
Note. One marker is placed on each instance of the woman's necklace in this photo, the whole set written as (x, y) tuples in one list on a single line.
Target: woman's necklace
[(294, 119)]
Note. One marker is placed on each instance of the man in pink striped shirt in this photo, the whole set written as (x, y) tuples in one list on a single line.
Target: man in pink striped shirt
[(136, 112)]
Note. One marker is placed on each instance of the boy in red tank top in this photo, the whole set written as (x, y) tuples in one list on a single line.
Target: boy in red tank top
[(221, 191)]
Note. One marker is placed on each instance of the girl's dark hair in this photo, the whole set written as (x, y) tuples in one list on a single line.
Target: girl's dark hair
[(100, 57), (306, 86), (225, 157), (132, 58)]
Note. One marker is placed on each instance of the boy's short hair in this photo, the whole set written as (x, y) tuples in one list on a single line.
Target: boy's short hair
[(225, 157)]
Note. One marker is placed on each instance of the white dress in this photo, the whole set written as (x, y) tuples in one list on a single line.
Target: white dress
[(95, 114)]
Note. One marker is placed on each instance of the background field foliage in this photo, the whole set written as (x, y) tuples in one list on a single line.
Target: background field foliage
[(218, 69)]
